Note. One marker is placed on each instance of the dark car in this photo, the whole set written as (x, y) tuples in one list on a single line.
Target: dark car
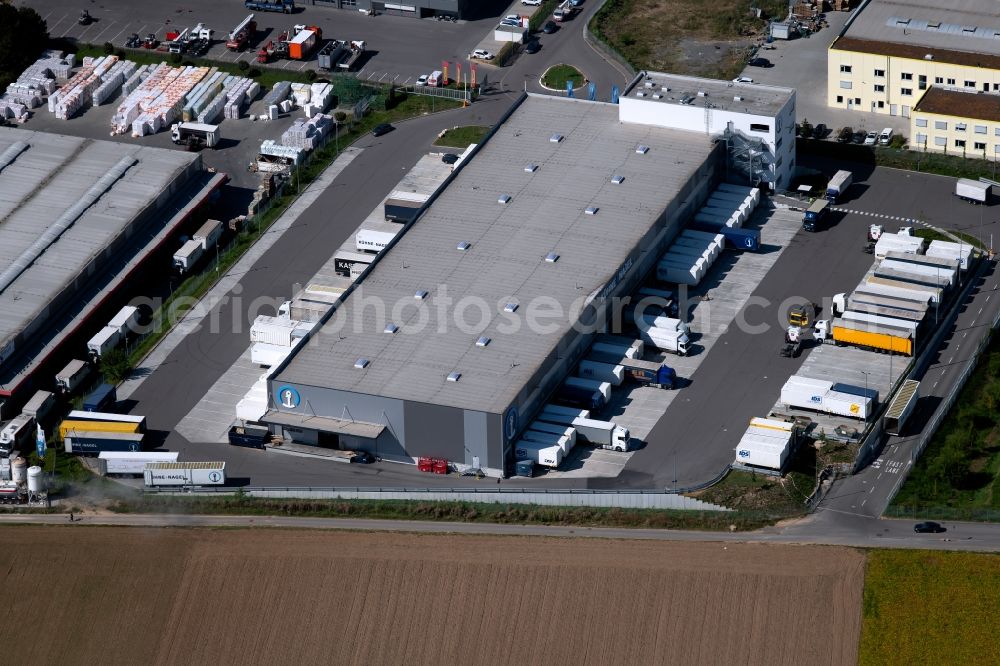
[(929, 527), (382, 128), (760, 62), (820, 131), (845, 135), (858, 137), (532, 47), (449, 158), (363, 458), (549, 27)]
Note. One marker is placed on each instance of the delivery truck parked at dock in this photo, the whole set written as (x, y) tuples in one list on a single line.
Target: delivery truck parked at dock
[(604, 434), (166, 474)]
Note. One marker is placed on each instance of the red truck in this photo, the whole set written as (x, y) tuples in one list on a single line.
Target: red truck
[(241, 36)]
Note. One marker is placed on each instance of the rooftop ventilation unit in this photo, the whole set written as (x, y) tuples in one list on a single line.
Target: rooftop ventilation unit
[(737, 98), (361, 363), (641, 149), (463, 246), (510, 307), (617, 180), (640, 93), (555, 138), (552, 257), (420, 295), (591, 210), (483, 341), (503, 199), (650, 84), (454, 376), (702, 93), (531, 168), (929, 56), (391, 328), (664, 89), (657, 96)]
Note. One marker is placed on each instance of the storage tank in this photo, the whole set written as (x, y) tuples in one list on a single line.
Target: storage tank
[(18, 470), (36, 482)]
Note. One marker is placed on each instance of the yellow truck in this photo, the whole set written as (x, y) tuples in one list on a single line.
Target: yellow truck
[(70, 426), (872, 336)]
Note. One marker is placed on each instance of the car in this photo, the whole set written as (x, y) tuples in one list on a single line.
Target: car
[(845, 134), (481, 54), (362, 458), (742, 79), (760, 62), (511, 22), (858, 137), (532, 47), (885, 138), (422, 80), (549, 27), (820, 131), (512, 17), (531, 3), (871, 138), (382, 128), (929, 527), (576, 3), (449, 158)]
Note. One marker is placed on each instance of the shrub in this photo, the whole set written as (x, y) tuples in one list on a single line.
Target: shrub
[(243, 65), (311, 75), (109, 48), (254, 72), (175, 58), (340, 116)]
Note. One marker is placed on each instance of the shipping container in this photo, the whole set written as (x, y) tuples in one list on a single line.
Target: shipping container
[(859, 334), (604, 388), (901, 408), (209, 234), (92, 443), (185, 474), (70, 426), (369, 240), (131, 462), (402, 206), (101, 398), (126, 320), (103, 341), (80, 415), (273, 330), (40, 405)]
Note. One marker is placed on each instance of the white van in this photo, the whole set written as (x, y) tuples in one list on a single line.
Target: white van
[(885, 137)]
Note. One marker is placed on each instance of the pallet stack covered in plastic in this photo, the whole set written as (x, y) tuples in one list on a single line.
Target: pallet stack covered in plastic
[(319, 99), (307, 134), (113, 80), (34, 83), (240, 93), (157, 101)]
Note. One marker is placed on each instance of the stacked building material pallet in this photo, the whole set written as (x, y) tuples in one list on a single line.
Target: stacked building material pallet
[(278, 94), (307, 134), (157, 101), (238, 95), (204, 92), (136, 79), (113, 80), (320, 96)]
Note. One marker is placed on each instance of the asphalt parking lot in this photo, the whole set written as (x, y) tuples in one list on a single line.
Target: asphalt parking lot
[(401, 47)]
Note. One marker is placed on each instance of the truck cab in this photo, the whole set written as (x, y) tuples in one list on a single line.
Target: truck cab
[(815, 217)]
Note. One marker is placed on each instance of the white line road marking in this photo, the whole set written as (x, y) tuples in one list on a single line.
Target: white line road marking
[(988, 297), (872, 490), (950, 360), (57, 23), (966, 333), (113, 39), (863, 503), (879, 476), (98, 35), (935, 385)]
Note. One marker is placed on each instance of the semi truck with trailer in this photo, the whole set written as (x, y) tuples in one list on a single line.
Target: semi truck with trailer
[(972, 191), (40, 405), (901, 407), (284, 6), (160, 474), (838, 185), (675, 342), (72, 376), (603, 434), (866, 336), (18, 435), (195, 135), (578, 396), (649, 373), (103, 341), (185, 258), (816, 215)]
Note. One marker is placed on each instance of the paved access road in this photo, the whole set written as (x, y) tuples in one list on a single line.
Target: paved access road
[(865, 534)]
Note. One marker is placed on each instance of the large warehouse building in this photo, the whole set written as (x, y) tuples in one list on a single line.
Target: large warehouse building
[(463, 327), (77, 218), (891, 52)]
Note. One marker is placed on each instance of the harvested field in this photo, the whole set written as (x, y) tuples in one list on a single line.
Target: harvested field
[(177, 596)]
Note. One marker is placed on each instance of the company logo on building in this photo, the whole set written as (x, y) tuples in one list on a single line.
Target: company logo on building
[(743, 453), (215, 477), (288, 397), (510, 423)]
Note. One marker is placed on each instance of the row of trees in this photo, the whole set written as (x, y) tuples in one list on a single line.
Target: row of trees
[(23, 36)]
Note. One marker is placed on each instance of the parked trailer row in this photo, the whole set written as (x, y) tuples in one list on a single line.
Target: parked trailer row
[(901, 407), (158, 474), (821, 395), (605, 434), (131, 462), (766, 443)]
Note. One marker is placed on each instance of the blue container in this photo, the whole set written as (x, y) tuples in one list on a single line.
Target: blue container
[(859, 391), (525, 468), (736, 238), (102, 399)]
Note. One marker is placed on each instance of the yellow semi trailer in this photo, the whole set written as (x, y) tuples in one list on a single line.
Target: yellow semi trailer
[(870, 336)]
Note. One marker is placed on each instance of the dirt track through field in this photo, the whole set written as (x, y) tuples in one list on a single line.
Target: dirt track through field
[(180, 596)]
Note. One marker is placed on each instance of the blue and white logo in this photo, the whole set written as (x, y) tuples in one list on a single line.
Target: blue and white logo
[(510, 424), (215, 477), (744, 453), (288, 397)]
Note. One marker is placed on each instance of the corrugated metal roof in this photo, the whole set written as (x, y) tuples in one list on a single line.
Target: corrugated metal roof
[(971, 26), (506, 260)]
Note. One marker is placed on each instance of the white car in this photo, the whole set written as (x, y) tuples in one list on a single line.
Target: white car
[(742, 79), (531, 3), (512, 17), (482, 54), (422, 80), (871, 138), (511, 22)]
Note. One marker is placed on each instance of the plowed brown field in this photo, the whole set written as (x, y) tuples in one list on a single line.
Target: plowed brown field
[(178, 596)]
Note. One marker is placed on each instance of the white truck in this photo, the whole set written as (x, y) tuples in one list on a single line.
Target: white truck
[(40, 405), (126, 320), (158, 474), (604, 434), (188, 255), (675, 342), (555, 428), (549, 439), (542, 454), (131, 462), (604, 372), (375, 240), (972, 191), (195, 135), (209, 234), (103, 341), (17, 435), (72, 376)]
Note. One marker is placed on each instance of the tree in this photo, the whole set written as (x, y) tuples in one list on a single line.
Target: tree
[(22, 39), (116, 366)]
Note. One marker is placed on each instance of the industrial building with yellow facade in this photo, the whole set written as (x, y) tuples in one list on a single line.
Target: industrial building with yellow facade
[(936, 63)]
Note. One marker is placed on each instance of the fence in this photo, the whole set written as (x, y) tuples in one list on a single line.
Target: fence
[(625, 499)]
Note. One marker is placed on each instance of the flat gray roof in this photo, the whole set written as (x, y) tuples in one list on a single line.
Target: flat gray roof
[(960, 25), (46, 179), (684, 90), (506, 260)]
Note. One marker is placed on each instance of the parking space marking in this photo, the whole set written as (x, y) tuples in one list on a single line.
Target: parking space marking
[(108, 27)]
